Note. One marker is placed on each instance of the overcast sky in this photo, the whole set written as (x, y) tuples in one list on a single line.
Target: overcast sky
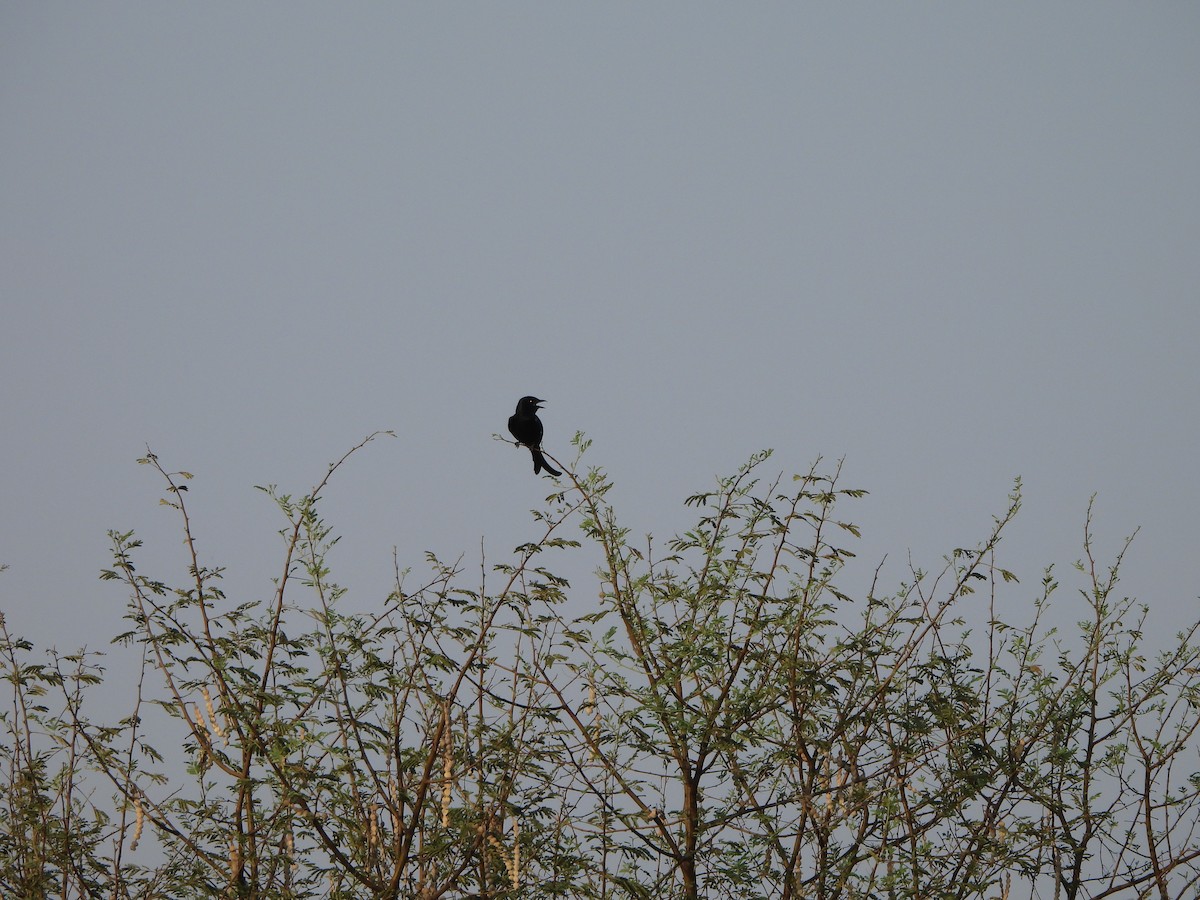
[(953, 243)]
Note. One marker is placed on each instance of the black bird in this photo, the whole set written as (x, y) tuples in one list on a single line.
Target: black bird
[(526, 427)]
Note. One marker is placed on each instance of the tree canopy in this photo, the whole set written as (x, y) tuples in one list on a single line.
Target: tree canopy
[(714, 716)]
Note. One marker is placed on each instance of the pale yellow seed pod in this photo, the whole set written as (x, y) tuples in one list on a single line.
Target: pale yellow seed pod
[(139, 821), (842, 777), (516, 873), (213, 725), (505, 857), (595, 719), (447, 766)]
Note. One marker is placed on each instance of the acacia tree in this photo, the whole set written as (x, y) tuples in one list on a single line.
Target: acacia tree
[(726, 720)]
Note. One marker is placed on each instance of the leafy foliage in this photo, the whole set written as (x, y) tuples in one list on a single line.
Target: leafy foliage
[(724, 721)]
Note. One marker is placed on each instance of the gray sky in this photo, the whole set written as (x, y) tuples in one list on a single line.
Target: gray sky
[(954, 243)]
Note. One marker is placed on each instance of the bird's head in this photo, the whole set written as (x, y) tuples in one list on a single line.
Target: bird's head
[(529, 404)]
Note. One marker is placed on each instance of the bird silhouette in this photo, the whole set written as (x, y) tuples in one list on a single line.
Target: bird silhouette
[(526, 427)]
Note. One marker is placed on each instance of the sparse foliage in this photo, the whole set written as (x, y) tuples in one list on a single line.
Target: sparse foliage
[(722, 720)]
